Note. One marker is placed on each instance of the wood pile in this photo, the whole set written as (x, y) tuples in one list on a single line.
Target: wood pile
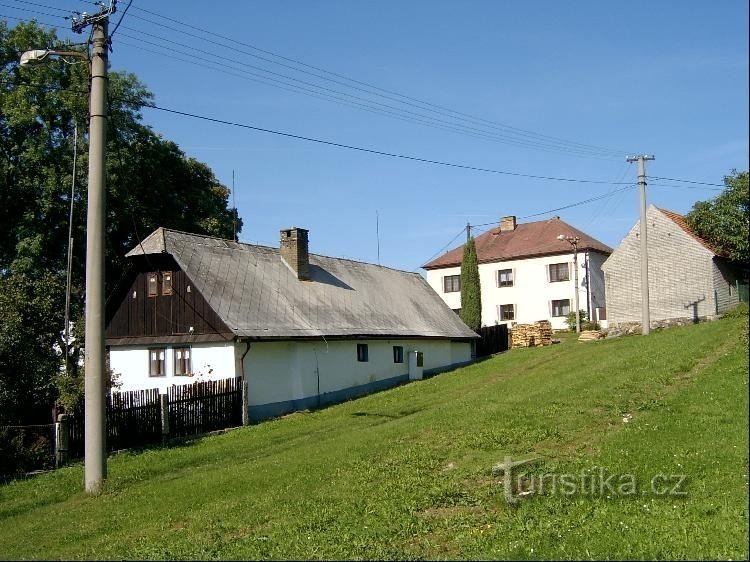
[(590, 335), (531, 335)]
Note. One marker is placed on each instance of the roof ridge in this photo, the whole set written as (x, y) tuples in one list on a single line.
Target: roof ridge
[(193, 234)]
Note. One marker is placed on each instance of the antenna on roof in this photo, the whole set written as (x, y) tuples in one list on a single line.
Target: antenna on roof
[(377, 232)]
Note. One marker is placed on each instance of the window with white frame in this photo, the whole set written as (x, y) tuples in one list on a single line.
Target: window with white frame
[(506, 312), (504, 277), (451, 283), (558, 272), (561, 307)]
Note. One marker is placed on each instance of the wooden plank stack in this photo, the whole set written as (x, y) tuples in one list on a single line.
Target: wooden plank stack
[(590, 335), (531, 335)]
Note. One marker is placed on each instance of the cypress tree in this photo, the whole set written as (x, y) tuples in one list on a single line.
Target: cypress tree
[(471, 296)]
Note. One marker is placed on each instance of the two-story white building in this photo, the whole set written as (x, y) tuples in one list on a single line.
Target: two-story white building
[(526, 273)]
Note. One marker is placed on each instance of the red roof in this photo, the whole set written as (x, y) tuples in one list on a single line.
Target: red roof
[(680, 221), (528, 240)]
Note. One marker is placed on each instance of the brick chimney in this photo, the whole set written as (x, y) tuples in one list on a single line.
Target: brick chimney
[(293, 247), (508, 224)]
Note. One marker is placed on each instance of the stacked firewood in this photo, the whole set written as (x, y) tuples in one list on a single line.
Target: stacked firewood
[(590, 335), (531, 335)]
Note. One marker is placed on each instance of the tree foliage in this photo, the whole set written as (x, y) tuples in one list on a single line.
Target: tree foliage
[(471, 296), (724, 221), (150, 183)]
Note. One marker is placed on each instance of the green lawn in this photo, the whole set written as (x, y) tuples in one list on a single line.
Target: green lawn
[(407, 473)]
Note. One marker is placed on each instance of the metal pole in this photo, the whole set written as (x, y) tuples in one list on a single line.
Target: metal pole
[(70, 251), (95, 445), (645, 313), (575, 268)]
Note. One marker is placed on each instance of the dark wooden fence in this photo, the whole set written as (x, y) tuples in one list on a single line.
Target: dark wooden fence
[(134, 418), (205, 406), (494, 339)]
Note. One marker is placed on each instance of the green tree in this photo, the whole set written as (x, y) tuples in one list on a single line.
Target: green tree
[(471, 295), (150, 183), (724, 221)]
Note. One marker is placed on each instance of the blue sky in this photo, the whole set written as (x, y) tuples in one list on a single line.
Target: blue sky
[(668, 78)]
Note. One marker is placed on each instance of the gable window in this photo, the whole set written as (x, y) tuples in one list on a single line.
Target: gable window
[(398, 354), (558, 272), (166, 282), (182, 364), (451, 283), (506, 312), (362, 352), (505, 278), (561, 307), (152, 284), (156, 362)]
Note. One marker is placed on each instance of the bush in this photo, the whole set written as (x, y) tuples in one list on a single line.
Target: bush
[(570, 320), (25, 449)]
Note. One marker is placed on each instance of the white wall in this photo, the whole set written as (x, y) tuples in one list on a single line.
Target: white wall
[(279, 372), (531, 292), (293, 370), (210, 361)]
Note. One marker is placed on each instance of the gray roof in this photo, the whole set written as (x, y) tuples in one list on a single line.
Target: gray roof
[(258, 296)]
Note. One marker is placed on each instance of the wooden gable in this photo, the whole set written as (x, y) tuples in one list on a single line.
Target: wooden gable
[(157, 302)]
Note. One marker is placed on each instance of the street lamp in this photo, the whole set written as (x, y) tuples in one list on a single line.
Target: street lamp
[(95, 460), (573, 241), (38, 55)]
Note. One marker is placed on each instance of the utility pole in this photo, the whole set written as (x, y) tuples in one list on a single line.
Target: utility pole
[(468, 232), (645, 313), (573, 241), (95, 461)]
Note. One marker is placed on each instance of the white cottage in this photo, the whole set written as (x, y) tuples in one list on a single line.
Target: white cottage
[(526, 273), (303, 330)]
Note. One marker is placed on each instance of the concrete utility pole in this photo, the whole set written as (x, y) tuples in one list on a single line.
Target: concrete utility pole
[(573, 241), (645, 313), (95, 442), (95, 461)]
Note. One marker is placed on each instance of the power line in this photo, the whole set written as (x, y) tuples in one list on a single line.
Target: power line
[(370, 150), (31, 11), (686, 181), (46, 6), (534, 137), (140, 104), (441, 250), (686, 186), (489, 225), (120, 21), (335, 95)]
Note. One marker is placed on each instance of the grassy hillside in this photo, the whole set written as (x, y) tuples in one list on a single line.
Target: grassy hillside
[(407, 473)]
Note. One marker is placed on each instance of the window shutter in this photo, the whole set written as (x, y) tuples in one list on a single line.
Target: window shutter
[(546, 268), (515, 312), (571, 271), (549, 308), (497, 278), (514, 276)]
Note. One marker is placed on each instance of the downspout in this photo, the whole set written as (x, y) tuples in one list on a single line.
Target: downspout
[(245, 397), (588, 290)]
